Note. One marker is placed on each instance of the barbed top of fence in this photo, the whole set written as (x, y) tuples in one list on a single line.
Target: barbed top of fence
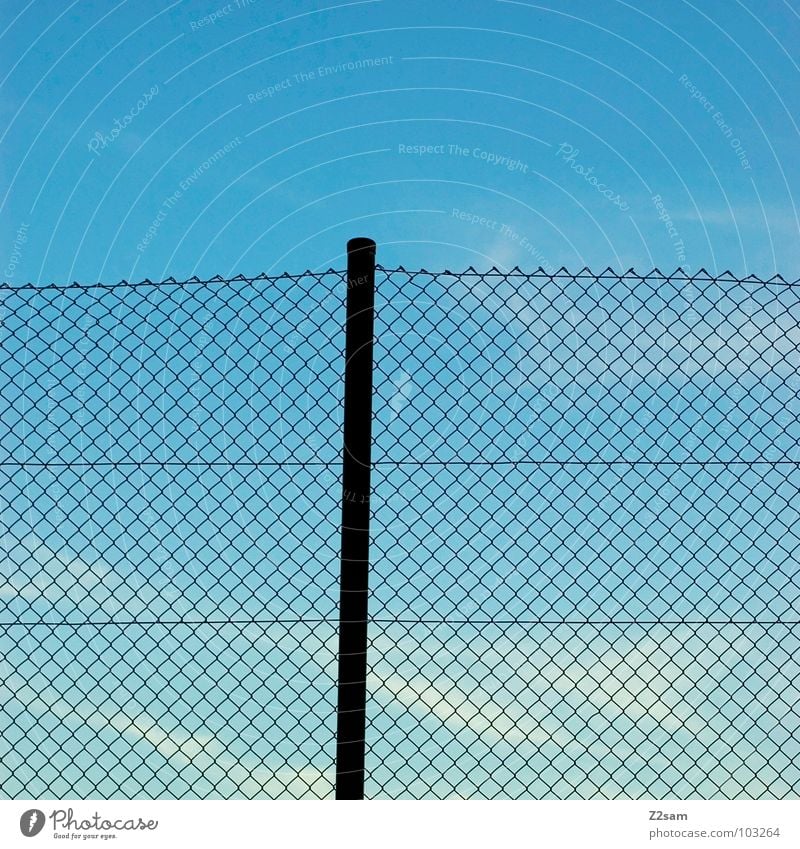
[(702, 275), (172, 281)]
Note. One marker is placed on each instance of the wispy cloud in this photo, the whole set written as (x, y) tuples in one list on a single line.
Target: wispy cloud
[(474, 711)]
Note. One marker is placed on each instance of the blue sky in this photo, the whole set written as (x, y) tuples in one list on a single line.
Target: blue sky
[(651, 98), (223, 139)]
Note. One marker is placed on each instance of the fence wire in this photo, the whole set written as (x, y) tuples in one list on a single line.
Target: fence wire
[(584, 570), (585, 578), (170, 507)]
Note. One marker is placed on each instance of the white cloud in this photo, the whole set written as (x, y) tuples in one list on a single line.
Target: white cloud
[(35, 572)]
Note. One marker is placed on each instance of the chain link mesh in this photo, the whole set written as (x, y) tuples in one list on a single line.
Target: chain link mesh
[(584, 580)]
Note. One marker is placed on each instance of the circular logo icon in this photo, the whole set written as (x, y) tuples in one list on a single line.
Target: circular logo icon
[(31, 822)]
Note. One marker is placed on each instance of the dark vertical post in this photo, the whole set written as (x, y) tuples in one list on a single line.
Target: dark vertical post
[(356, 458)]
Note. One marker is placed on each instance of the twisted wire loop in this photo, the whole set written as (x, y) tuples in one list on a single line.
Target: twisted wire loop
[(585, 578), (584, 564), (170, 495)]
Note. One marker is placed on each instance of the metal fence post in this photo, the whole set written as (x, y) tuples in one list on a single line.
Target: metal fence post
[(356, 459)]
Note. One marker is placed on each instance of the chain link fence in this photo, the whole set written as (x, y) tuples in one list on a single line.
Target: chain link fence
[(584, 567), (585, 581)]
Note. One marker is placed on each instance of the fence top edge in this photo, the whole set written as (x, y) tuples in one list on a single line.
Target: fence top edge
[(703, 275)]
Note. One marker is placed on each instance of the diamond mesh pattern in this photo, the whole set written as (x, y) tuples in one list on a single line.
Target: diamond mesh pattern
[(171, 538), (582, 711), (585, 578), (169, 711)]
